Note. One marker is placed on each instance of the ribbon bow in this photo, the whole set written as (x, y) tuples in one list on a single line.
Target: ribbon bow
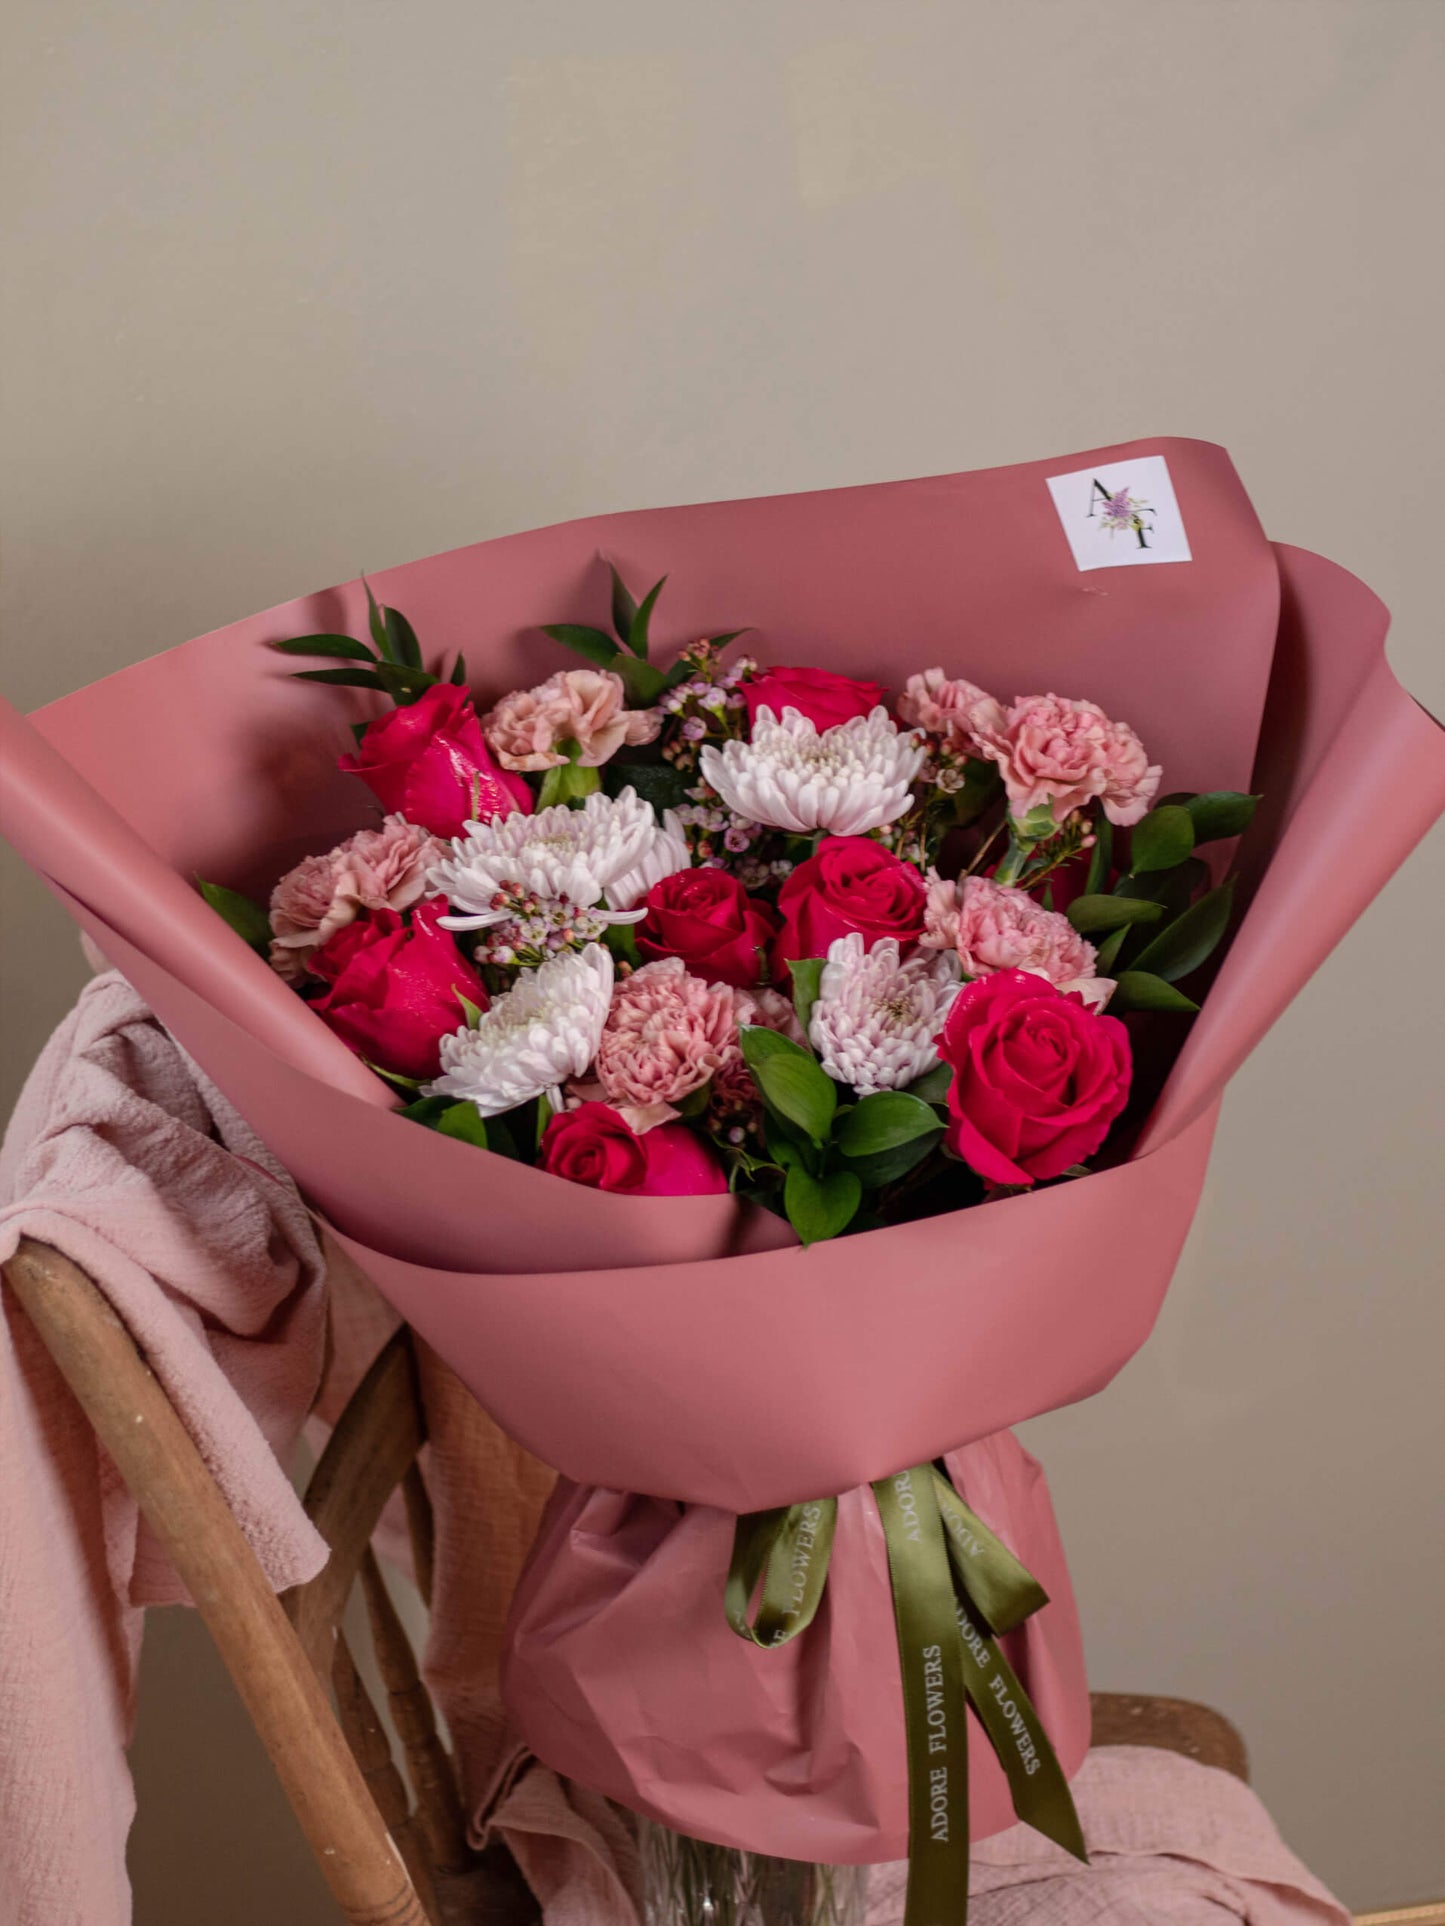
[(956, 1590)]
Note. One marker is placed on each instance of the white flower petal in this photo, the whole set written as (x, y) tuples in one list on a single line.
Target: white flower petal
[(543, 1031), (876, 1018), (848, 779), (558, 852), (665, 855)]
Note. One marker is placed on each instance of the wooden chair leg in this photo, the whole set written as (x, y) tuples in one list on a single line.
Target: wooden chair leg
[(371, 1748), (438, 1807), (155, 1455)]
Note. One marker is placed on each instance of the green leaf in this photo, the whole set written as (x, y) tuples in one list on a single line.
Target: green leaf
[(325, 645), (401, 683), (1174, 888), (624, 609), (403, 639), (1141, 990), (1190, 938), (621, 939), (637, 634), (595, 644), (790, 1080), (376, 622), (346, 678), (887, 1166), (459, 671), (470, 1010), (249, 920), (1164, 838), (1090, 913), (933, 1086), (643, 683), (883, 1121), (820, 1207), (1101, 855), (1220, 813), (465, 1121), (567, 783), (807, 975), (1109, 949), (656, 782)]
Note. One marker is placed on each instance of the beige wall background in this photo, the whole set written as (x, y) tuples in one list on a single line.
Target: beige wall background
[(299, 288)]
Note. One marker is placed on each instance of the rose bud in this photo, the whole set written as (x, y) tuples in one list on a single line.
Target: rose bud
[(593, 1145), (1037, 1077), (428, 761), (395, 989), (819, 695), (851, 884), (707, 918)]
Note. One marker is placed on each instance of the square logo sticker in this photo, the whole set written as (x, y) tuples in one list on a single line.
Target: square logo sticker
[(1121, 515)]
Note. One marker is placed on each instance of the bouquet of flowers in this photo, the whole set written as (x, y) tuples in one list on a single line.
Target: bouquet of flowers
[(824, 993), (706, 926)]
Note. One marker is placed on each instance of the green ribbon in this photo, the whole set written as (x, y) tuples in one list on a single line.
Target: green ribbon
[(956, 1590)]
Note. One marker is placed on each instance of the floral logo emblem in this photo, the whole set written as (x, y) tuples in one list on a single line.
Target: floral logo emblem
[(1121, 512)]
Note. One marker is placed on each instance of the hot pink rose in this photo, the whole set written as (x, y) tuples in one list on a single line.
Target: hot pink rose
[(585, 706), (593, 1145), (1060, 754), (374, 869), (667, 1033), (1037, 1078), (993, 927), (395, 989), (708, 919), (949, 707), (823, 698), (429, 762), (851, 884)]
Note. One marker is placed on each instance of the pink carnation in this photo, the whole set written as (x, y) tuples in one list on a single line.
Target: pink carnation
[(993, 927), (585, 706), (1060, 754), (949, 707), (667, 1033), (374, 869)]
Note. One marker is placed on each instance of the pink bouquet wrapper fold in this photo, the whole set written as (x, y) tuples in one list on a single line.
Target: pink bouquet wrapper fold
[(799, 1750), (686, 1348)]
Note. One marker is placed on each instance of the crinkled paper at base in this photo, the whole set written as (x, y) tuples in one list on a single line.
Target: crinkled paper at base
[(624, 1674)]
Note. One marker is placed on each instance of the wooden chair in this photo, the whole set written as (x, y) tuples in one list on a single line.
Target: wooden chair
[(389, 1858)]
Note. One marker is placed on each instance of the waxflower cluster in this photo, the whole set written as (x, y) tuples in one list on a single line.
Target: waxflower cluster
[(707, 925)]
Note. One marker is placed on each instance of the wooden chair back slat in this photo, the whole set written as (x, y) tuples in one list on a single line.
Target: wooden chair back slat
[(372, 1447), (155, 1455)]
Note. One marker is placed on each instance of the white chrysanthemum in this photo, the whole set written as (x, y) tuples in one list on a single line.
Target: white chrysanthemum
[(875, 1019), (663, 856), (558, 853), (534, 1038), (848, 779)]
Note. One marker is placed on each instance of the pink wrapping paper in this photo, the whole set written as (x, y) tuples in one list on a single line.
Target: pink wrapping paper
[(623, 1673), (578, 1318), (686, 1348)]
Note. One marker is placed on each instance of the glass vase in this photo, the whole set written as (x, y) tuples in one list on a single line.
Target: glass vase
[(687, 1882)]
